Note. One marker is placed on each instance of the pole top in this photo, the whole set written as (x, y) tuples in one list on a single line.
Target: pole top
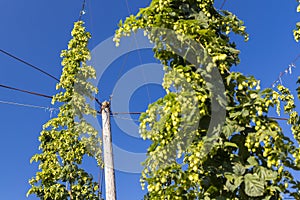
[(105, 104)]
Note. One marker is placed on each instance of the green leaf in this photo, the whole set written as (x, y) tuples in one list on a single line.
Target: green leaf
[(239, 169), (252, 161), (265, 174), (234, 183), (230, 144), (254, 186)]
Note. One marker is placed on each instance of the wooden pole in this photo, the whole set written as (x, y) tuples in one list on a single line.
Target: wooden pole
[(110, 188)]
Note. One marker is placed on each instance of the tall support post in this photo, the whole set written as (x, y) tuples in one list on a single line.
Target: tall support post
[(109, 172)]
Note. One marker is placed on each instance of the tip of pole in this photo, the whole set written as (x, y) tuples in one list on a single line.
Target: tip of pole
[(105, 104)]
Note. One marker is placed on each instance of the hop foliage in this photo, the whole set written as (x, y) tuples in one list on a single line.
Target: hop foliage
[(66, 138), (251, 157)]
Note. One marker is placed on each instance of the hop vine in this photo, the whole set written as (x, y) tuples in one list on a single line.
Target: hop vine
[(67, 138)]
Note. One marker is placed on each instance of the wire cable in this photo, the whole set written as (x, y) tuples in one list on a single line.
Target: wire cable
[(36, 68), (51, 110), (286, 71), (139, 54), (125, 118), (115, 114), (26, 91), (28, 64), (223, 4), (100, 174), (82, 12), (90, 11), (126, 113), (37, 94), (27, 105), (102, 181), (122, 66), (121, 113)]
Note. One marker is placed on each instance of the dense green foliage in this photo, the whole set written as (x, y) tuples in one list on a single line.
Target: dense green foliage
[(251, 157), (66, 138)]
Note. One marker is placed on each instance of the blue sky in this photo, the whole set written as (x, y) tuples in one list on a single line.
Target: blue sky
[(38, 30)]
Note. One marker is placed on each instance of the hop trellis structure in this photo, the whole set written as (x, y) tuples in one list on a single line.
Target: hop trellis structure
[(66, 138)]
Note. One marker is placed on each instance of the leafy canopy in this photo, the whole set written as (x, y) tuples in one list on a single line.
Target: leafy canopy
[(250, 157)]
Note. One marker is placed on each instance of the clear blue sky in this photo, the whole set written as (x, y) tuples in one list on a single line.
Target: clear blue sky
[(38, 30)]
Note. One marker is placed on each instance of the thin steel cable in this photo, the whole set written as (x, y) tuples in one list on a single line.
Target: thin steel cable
[(50, 97), (28, 64), (82, 12), (34, 67), (35, 93), (89, 4), (115, 115), (125, 118), (139, 54), (122, 66), (126, 113), (289, 69), (26, 91), (51, 110), (26, 105), (223, 4), (102, 180), (121, 113), (120, 72)]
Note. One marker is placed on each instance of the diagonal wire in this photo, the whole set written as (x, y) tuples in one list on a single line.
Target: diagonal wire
[(123, 65), (26, 91), (289, 69), (26, 105), (223, 4), (82, 12), (101, 180), (36, 93), (139, 53), (51, 110), (36, 68), (90, 17), (28, 64)]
